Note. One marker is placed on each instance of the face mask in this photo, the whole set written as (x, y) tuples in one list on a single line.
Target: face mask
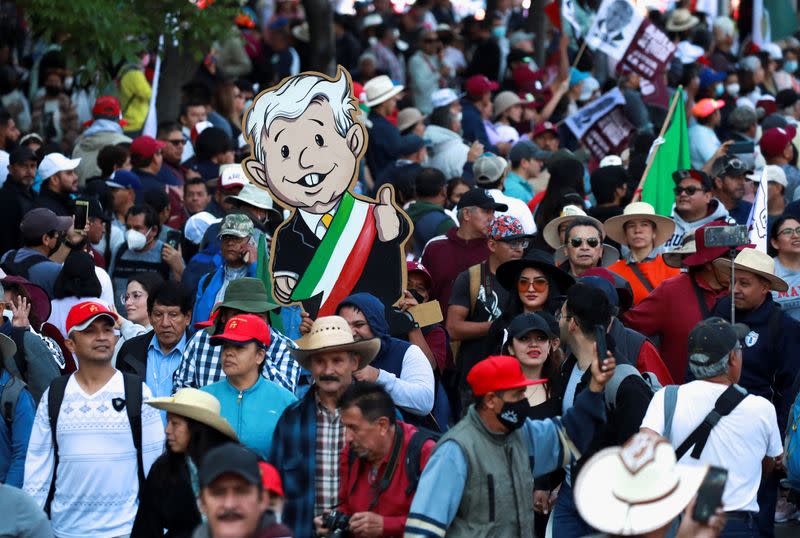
[(136, 240), (52, 91), (514, 414), (499, 31), (790, 66), (68, 81), (733, 89), (719, 89), (458, 116)]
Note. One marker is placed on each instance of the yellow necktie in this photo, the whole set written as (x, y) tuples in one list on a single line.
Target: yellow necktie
[(326, 220)]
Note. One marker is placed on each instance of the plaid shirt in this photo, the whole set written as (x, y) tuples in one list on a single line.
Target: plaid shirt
[(329, 445), (201, 366)]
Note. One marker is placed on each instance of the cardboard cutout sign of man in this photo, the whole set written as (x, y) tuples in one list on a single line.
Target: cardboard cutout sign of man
[(306, 144)]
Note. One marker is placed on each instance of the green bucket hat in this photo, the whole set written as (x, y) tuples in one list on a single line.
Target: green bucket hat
[(247, 295)]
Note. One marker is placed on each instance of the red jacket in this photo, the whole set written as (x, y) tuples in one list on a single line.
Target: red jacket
[(670, 312), (356, 493), (446, 258)]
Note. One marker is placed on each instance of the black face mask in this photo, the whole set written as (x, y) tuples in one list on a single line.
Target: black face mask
[(514, 414), (52, 91), (59, 242)]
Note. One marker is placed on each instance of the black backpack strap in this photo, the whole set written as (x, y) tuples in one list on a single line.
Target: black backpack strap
[(641, 276), (701, 299), (54, 398), (12, 267), (414, 456), (133, 406), (725, 404), (8, 401)]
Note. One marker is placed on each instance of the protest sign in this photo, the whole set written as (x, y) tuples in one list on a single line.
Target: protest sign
[(614, 28), (601, 126), (649, 53)]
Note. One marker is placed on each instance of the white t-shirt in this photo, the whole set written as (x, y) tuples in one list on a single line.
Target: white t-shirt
[(738, 443), (516, 208), (96, 486)]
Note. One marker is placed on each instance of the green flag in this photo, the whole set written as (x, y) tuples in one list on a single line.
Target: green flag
[(671, 155), (264, 275)]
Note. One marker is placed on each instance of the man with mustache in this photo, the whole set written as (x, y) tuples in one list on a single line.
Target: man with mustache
[(232, 497), (306, 149), (309, 436), (80, 446)]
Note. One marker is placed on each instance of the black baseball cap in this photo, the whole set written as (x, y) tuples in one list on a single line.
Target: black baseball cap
[(40, 221), (21, 154), (527, 323), (479, 198), (729, 165), (786, 98), (712, 339), (229, 458)]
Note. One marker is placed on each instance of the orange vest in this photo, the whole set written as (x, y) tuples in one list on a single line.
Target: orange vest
[(654, 270)]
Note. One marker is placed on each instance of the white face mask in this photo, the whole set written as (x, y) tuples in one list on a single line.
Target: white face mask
[(136, 240), (733, 89)]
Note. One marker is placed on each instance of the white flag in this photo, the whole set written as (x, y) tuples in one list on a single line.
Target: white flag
[(614, 27), (758, 216), (151, 122), (568, 12)]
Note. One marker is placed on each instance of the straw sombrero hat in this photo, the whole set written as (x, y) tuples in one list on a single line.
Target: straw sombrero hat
[(674, 258), (333, 333), (615, 226), (570, 212), (681, 20), (636, 488), (756, 262), (196, 405)]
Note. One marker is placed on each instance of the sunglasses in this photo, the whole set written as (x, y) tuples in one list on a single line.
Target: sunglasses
[(690, 191), (790, 231), (518, 243), (735, 167), (593, 242), (178, 142), (540, 284)]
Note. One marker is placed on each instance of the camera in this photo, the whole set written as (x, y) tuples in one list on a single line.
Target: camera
[(337, 523), (726, 236)]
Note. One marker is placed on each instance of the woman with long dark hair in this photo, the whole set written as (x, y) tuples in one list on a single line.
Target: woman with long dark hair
[(75, 283), (168, 504)]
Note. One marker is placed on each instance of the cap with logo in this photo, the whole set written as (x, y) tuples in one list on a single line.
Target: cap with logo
[(229, 458), (237, 225), (544, 127), (712, 339), (40, 221), (729, 165), (489, 168), (83, 314), (243, 329), (231, 175), (54, 163), (144, 147), (480, 198), (496, 373)]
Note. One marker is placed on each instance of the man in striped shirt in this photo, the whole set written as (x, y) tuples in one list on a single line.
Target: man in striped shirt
[(201, 363)]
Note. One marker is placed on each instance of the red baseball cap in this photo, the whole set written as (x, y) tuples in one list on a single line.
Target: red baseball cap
[(706, 107), (544, 127), (209, 322), (107, 107), (775, 140), (499, 372), (270, 479), (83, 314), (416, 267), (242, 330), (477, 85), (145, 146)]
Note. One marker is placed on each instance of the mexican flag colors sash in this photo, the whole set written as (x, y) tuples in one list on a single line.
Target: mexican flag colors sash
[(340, 258)]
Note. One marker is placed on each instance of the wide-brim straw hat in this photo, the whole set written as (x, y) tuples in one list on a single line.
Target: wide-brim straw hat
[(380, 89), (681, 20), (196, 405), (615, 226), (674, 258), (408, 117), (636, 488), (333, 333), (609, 257), (756, 262), (570, 212)]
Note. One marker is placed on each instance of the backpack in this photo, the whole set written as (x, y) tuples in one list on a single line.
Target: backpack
[(475, 274), (8, 401), (133, 407), (621, 373), (12, 267), (791, 450)]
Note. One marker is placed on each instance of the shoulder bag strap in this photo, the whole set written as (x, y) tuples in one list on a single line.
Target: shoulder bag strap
[(133, 406), (641, 276), (701, 299), (727, 402), (54, 398)]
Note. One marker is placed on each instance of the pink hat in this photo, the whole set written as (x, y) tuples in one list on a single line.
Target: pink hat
[(706, 107)]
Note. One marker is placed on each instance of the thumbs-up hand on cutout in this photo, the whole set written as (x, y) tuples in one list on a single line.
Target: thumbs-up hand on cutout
[(387, 221)]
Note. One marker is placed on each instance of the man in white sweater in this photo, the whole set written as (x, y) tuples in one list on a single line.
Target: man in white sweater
[(96, 473)]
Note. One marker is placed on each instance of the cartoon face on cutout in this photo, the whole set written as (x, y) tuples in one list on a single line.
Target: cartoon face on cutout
[(306, 142)]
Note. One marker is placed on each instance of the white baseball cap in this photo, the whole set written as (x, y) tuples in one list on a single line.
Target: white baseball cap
[(443, 97), (54, 163), (611, 160), (774, 173), (232, 175), (197, 225)]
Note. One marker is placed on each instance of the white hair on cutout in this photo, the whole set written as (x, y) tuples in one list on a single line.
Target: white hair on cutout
[(291, 99)]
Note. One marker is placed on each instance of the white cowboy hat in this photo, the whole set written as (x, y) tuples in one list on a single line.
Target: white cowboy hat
[(570, 212), (615, 226), (756, 262), (380, 89), (674, 258), (681, 20), (636, 488), (333, 333), (196, 405)]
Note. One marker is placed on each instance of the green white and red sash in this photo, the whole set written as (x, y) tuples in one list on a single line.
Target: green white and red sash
[(340, 258)]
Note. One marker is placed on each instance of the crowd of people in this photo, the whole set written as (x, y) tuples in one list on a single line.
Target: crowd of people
[(585, 366)]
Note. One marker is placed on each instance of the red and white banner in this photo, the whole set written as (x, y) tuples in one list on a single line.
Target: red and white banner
[(601, 126)]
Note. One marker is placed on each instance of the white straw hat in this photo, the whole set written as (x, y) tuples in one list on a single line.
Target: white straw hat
[(570, 212), (333, 333), (615, 226), (636, 488), (757, 262), (380, 89), (196, 405)]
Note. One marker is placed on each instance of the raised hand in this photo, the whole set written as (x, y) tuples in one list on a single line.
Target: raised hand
[(387, 221)]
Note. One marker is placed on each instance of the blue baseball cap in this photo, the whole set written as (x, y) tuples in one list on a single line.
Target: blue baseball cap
[(709, 77), (124, 179), (409, 144), (576, 77)]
